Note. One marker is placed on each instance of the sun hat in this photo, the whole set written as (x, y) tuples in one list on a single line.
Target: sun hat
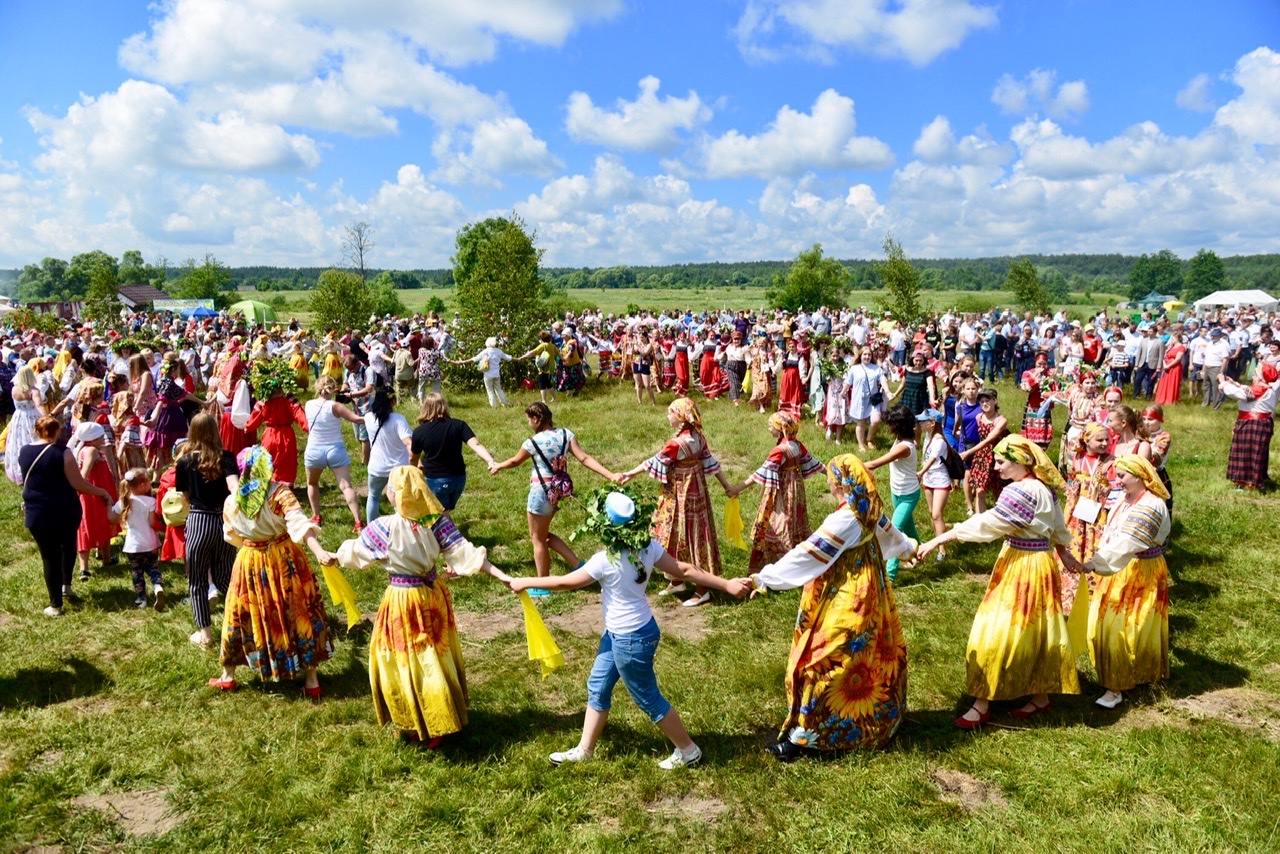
[(619, 509)]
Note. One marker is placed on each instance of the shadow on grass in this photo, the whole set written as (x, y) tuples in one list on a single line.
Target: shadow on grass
[(41, 687), (1192, 673), (489, 735)]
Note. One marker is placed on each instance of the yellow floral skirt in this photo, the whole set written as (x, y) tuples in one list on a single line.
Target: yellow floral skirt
[(275, 620), (415, 662), (847, 672), (1018, 645), (1129, 625)]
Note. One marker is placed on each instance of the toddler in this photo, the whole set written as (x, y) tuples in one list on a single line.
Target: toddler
[(136, 511)]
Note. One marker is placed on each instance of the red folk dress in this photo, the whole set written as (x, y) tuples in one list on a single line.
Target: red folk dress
[(683, 522), (1169, 389), (95, 531), (279, 414), (782, 522)]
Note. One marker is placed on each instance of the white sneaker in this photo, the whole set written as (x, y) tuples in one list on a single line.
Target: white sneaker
[(52, 612), (573, 754), (159, 598), (828, 435), (677, 759), (213, 592)]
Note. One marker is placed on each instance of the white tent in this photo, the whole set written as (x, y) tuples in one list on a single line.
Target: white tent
[(1259, 299)]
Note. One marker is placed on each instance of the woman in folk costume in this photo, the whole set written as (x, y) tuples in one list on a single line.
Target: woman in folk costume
[(230, 375), (332, 354), (1088, 488), (292, 350), (783, 518), (1018, 645), (279, 412), (1129, 611), (415, 658), (1251, 436), (1161, 441), (847, 672), (764, 372), (275, 620), (795, 379), (711, 376), (682, 348), (683, 522), (1082, 402), (1169, 387)]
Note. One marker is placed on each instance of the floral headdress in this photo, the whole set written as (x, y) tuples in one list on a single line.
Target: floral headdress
[(256, 469), (687, 411), (850, 474), (271, 376)]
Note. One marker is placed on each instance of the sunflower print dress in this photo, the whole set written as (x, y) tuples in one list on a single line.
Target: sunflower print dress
[(846, 677), (416, 671)]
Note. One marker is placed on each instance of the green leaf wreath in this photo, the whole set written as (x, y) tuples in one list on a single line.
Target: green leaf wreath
[(633, 536), (268, 377)]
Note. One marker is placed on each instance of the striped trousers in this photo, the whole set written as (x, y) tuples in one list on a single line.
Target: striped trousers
[(209, 558)]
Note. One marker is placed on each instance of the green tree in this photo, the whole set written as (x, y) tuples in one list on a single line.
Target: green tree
[(81, 269), (1161, 272), (1024, 283), (901, 282), (102, 296), (209, 279), (383, 298), (1055, 284), (340, 301), (811, 282), (133, 270), (1204, 276), (495, 269), (46, 281)]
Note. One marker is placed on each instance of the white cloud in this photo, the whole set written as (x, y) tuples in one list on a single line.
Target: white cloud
[(648, 123), (1140, 150), (915, 30), (496, 147), (796, 142), (1196, 95), (1255, 115), (1036, 91)]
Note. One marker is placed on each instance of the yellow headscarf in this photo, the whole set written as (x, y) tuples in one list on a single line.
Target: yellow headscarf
[(1092, 429), (785, 423), (849, 473), (687, 411), (1141, 468), (1018, 449), (412, 497)]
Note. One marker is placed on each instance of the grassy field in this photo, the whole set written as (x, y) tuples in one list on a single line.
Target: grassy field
[(112, 741), (616, 300)]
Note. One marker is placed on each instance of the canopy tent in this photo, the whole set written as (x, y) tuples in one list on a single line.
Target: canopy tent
[(253, 310), (1154, 300), (1235, 299), (201, 311)]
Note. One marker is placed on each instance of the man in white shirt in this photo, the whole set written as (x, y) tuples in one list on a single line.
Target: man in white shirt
[(1215, 356)]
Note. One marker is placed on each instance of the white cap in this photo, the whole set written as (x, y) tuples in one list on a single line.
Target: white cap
[(619, 508)]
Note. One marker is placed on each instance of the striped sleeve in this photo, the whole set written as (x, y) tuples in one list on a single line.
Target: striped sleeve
[(1016, 506), (814, 556), (1143, 525)]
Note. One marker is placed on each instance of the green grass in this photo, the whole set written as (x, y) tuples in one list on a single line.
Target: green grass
[(109, 699)]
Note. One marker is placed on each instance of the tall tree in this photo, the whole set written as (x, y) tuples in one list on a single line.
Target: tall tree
[(1024, 283), (102, 296), (82, 267), (133, 269), (207, 280), (46, 281), (340, 301), (1161, 273), (1204, 276), (811, 282), (495, 269), (901, 282), (357, 243)]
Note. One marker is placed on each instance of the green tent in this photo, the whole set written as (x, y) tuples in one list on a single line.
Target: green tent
[(253, 310)]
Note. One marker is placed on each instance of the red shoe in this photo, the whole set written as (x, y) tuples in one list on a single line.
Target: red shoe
[(312, 693), (315, 520), (1023, 714), (223, 684), (965, 723), (357, 527)]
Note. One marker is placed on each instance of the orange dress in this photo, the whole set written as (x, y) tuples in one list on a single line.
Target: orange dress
[(279, 414)]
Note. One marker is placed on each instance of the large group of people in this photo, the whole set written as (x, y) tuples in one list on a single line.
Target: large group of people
[(164, 449)]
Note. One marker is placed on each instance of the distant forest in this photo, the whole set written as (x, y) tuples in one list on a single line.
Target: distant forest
[(1060, 274)]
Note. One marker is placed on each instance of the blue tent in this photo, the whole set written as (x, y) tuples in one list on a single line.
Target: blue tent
[(199, 312)]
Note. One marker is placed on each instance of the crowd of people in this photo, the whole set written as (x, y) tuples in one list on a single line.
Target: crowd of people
[(191, 453)]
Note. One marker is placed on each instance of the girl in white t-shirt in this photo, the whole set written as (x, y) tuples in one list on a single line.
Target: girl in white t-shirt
[(631, 634), (934, 476), (136, 511), (389, 439), (904, 483)]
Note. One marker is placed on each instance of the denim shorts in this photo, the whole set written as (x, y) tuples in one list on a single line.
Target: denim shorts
[(362, 433), (326, 456), (628, 657), (538, 504), (448, 489)]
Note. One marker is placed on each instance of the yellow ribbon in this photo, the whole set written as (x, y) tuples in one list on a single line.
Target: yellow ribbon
[(542, 647), (733, 525), (1078, 620), (341, 593)]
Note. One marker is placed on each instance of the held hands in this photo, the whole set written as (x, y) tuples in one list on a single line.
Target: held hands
[(493, 468), (923, 549), (740, 587), (519, 585)]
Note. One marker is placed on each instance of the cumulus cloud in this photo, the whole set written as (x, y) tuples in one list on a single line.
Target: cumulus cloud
[(795, 142), (1255, 115), (1140, 150), (493, 148), (1196, 95), (914, 30), (1036, 92), (648, 123)]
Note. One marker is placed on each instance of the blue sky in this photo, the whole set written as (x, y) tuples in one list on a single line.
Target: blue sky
[(637, 131)]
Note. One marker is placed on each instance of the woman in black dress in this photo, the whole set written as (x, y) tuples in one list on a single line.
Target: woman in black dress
[(919, 391)]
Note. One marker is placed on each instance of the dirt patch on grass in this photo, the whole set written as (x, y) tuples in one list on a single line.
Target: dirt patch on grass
[(143, 813), (693, 807), (94, 706), (969, 793), (1240, 707), (474, 626), (1273, 669), (45, 760), (1149, 717), (6, 620)]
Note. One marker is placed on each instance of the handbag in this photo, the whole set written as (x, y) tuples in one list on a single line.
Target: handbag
[(875, 398), (561, 483)]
